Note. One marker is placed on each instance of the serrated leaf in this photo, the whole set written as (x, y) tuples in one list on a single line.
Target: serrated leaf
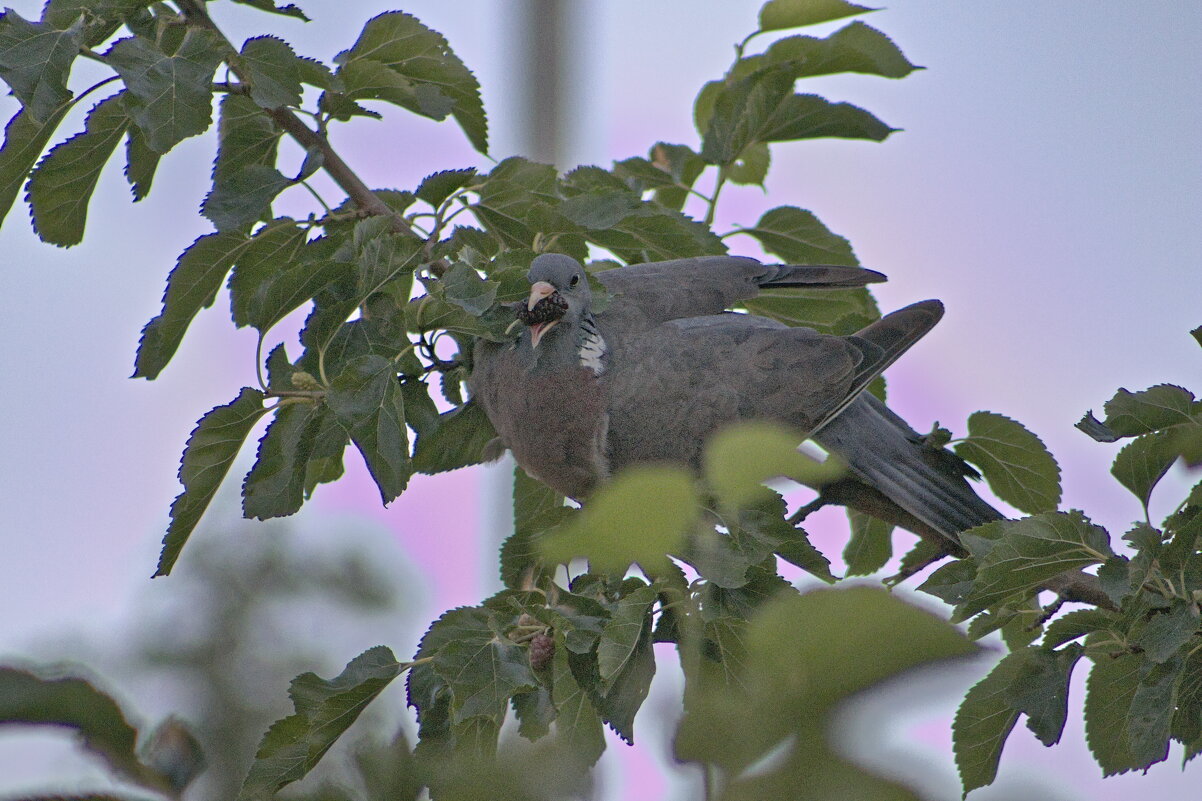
[(458, 440), (870, 546), (74, 703), (244, 198), (1013, 460), (1143, 461), (422, 57), (536, 508), (762, 107), (624, 694), (246, 137), (140, 163), (984, 721), (1114, 576), (1076, 624), (1149, 722), (464, 287), (275, 486), (1187, 720), (798, 237), (1109, 690), (325, 708), (621, 634), (1040, 690), (287, 9), (35, 61), (210, 451), (366, 398), (1029, 551), (191, 286), (853, 48), (274, 70), (24, 140), (640, 516), (778, 15), (751, 167), (436, 188), (577, 724), (654, 233), (483, 670), (62, 184), (169, 97), (1168, 631), (278, 272), (766, 521), (1132, 413)]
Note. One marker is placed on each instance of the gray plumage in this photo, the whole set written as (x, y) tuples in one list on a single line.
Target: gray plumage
[(665, 365)]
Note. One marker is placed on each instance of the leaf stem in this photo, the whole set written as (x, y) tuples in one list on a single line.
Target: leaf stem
[(318, 197), (713, 201), (259, 362)]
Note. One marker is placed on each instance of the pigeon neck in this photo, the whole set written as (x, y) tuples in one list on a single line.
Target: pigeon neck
[(591, 347)]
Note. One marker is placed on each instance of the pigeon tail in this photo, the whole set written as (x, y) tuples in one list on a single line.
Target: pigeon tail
[(884, 452)]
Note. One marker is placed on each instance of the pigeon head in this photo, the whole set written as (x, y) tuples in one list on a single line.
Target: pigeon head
[(559, 292)]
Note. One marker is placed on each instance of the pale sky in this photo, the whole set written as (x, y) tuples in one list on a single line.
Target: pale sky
[(1046, 187)]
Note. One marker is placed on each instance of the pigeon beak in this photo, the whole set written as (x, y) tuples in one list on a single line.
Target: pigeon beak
[(537, 331), (538, 291)]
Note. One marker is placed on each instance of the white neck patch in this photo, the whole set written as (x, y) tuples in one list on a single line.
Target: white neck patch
[(592, 346)]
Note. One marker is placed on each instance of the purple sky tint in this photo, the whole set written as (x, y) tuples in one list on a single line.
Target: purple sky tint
[(1048, 172)]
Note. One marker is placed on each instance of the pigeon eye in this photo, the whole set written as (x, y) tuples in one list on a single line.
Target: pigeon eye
[(575, 280)]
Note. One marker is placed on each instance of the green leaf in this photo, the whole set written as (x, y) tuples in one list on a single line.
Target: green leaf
[(622, 633), (275, 486), (287, 10), (325, 708), (246, 137), (210, 451), (1187, 721), (870, 546), (24, 140), (62, 184), (457, 440), (640, 516), (140, 163), (762, 107), (422, 57), (169, 97), (1112, 684), (751, 167), (1141, 463), (1030, 551), (278, 272), (436, 188), (740, 457), (244, 198), (1168, 631), (653, 233), (766, 521), (670, 170), (625, 692), (536, 508), (464, 287), (274, 71), (35, 61), (953, 582), (778, 15), (191, 286), (1076, 624), (1013, 460), (830, 311), (1149, 723), (984, 721), (1115, 578), (1132, 413), (854, 48), (483, 670), (798, 237), (577, 724), (366, 398), (76, 704), (1040, 690)]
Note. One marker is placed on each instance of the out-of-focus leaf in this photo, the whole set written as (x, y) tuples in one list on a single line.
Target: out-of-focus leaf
[(62, 184), (1013, 460), (778, 15), (325, 708), (170, 97), (210, 451), (870, 545), (739, 458)]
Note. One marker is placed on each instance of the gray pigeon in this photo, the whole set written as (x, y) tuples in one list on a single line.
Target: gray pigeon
[(578, 396)]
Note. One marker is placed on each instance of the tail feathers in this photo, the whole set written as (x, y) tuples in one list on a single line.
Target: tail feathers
[(817, 276), (883, 455)]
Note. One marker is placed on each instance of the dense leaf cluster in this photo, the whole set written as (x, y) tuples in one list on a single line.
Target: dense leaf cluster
[(398, 284)]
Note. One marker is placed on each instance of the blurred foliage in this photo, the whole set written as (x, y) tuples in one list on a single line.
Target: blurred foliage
[(388, 275)]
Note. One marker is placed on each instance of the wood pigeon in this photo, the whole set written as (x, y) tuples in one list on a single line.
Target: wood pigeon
[(579, 395)]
